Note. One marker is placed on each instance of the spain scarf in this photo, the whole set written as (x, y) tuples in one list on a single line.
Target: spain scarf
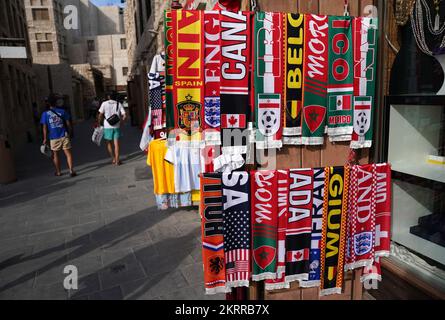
[(315, 80), (334, 225), (383, 211), (293, 77), (341, 79), (268, 78), (299, 224), (264, 224), (169, 56), (365, 72), (236, 222)]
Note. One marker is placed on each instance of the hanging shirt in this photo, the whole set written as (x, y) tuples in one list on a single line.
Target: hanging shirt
[(163, 172)]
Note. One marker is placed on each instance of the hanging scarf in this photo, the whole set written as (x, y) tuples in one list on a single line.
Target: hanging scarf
[(341, 79), (236, 221), (156, 81), (293, 93), (299, 224), (264, 224), (212, 233), (169, 56), (383, 211), (283, 203), (365, 69), (235, 60), (315, 80), (268, 77), (317, 228), (334, 224)]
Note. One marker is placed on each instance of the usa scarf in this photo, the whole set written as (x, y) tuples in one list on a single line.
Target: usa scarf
[(341, 79), (334, 224), (293, 93), (268, 77), (169, 56), (212, 233), (156, 81), (236, 221), (315, 80), (299, 224), (264, 224), (365, 68), (383, 211)]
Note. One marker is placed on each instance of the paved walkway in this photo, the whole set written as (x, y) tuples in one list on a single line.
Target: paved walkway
[(104, 222)]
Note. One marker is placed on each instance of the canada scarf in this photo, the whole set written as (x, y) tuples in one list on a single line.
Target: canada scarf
[(341, 79), (236, 221), (212, 233), (365, 69), (299, 224), (169, 56), (235, 60), (383, 211), (334, 225), (268, 78), (293, 93), (315, 80), (264, 224)]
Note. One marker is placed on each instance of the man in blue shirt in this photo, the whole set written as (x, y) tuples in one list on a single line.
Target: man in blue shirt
[(57, 129)]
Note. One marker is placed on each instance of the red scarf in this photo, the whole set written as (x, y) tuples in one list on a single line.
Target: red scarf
[(383, 211)]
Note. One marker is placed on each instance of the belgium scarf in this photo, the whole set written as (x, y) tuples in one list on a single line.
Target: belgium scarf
[(236, 221), (334, 224), (293, 93), (264, 224), (315, 80), (212, 233), (299, 224), (383, 211), (169, 56), (341, 79), (268, 78)]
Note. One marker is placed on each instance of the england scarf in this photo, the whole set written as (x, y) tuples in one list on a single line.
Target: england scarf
[(365, 72), (341, 79), (293, 93), (315, 80), (268, 77), (169, 56), (236, 221), (264, 224), (299, 224), (334, 224), (212, 233), (383, 211)]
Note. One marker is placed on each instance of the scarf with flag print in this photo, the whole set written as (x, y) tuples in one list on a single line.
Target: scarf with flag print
[(333, 234), (212, 233), (365, 70), (236, 222), (299, 224), (169, 56), (156, 82), (383, 211), (293, 94), (315, 79), (264, 224), (341, 79), (268, 78)]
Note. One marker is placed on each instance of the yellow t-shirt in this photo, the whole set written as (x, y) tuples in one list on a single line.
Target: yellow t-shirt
[(196, 196), (163, 172)]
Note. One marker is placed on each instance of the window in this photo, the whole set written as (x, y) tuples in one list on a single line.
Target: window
[(48, 36), (39, 36), (35, 3), (40, 14), (46, 46), (124, 71), (123, 44), (90, 44)]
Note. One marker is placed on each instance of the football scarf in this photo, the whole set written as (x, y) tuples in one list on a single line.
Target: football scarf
[(333, 234), (236, 221), (293, 93), (315, 80), (299, 224), (373, 272), (268, 78), (169, 56), (365, 68), (212, 233), (212, 73), (264, 224), (383, 211), (156, 82), (235, 60), (341, 79)]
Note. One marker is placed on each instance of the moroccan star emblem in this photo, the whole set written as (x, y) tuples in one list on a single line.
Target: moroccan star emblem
[(263, 255), (313, 115)]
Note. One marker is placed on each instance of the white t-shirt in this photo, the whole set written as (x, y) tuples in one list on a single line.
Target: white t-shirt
[(108, 108), (186, 161)]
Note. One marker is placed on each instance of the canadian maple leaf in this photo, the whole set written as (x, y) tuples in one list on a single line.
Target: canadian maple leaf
[(233, 120)]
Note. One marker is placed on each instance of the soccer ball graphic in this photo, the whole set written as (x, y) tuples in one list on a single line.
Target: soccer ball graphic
[(362, 122), (269, 122)]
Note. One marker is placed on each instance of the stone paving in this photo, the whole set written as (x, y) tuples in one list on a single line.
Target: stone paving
[(104, 222)]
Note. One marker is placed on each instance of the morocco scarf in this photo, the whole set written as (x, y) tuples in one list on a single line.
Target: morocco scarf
[(334, 225), (365, 68), (264, 224), (236, 222), (169, 56), (341, 79), (383, 211), (293, 93), (212, 233), (315, 80), (299, 224), (268, 78)]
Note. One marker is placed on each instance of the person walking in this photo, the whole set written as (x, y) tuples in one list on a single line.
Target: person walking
[(112, 113), (57, 129)]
